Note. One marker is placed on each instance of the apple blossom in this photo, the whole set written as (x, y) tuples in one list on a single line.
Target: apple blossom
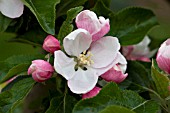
[(116, 73), (91, 93), (41, 70), (11, 8), (139, 51), (163, 56), (97, 27), (85, 60), (51, 44)]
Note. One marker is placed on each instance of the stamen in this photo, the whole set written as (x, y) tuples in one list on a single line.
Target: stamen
[(85, 59)]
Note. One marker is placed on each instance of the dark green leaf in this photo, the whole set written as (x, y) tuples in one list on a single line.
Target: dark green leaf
[(116, 109), (11, 98), (66, 5), (44, 12), (102, 9), (161, 81), (138, 74), (67, 26), (62, 104), (147, 107), (130, 25), (110, 95), (4, 22)]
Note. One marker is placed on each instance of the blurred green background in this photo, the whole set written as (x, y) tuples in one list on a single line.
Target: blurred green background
[(161, 8)]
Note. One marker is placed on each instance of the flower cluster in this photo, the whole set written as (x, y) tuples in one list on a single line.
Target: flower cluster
[(87, 55)]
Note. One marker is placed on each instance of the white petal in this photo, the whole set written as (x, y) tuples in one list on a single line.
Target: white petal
[(77, 42), (142, 47), (11, 8), (104, 51), (119, 59), (83, 81), (64, 65)]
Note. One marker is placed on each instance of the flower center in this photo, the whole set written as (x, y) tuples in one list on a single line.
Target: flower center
[(85, 59)]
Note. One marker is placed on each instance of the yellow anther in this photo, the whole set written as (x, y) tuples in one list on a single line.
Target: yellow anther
[(85, 59)]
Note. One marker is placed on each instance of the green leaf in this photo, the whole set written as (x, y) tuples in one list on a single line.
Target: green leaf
[(15, 71), (34, 37), (4, 22), (62, 104), (161, 81), (102, 9), (11, 98), (110, 95), (147, 107), (116, 109), (130, 25), (67, 25), (15, 65), (44, 12), (138, 74), (66, 5)]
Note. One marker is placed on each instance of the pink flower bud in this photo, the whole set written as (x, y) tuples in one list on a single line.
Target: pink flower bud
[(51, 44), (163, 56), (115, 74), (41, 70), (91, 93), (89, 21)]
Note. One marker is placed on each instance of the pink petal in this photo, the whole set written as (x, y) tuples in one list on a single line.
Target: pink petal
[(51, 44), (88, 20), (104, 51), (114, 75), (105, 27), (83, 81), (97, 27), (11, 8), (91, 93), (164, 63), (77, 42), (43, 65), (64, 65)]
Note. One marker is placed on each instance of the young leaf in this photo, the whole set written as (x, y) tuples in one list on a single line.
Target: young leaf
[(161, 81), (67, 26), (18, 92), (112, 95), (130, 25), (44, 10)]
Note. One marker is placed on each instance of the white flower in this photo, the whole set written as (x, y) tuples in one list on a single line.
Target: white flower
[(87, 60), (11, 8)]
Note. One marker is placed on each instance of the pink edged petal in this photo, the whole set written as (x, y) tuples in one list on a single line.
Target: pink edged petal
[(11, 8), (104, 51), (105, 27), (83, 81), (164, 63), (64, 65), (88, 20), (77, 42)]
